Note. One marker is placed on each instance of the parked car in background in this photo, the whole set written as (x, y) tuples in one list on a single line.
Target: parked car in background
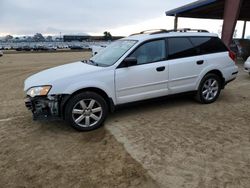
[(26, 48), (39, 48), (247, 65), (19, 49), (44, 48), (59, 46), (7, 48), (1, 53), (76, 47), (241, 47), (51, 48), (143, 66), (65, 46)]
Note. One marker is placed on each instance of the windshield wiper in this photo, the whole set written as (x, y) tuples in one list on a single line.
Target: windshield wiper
[(93, 62), (90, 62)]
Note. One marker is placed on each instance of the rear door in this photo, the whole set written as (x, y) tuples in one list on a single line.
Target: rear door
[(147, 79), (185, 64)]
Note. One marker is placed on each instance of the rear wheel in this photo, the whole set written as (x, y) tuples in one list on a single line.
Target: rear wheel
[(86, 111), (209, 89)]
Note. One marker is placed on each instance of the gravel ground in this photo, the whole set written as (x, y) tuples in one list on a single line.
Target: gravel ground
[(52, 154)]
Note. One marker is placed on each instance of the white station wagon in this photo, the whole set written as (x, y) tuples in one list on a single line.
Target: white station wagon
[(142, 66), (247, 65)]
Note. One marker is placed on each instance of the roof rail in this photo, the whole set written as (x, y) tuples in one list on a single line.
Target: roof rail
[(189, 29), (150, 31), (159, 31)]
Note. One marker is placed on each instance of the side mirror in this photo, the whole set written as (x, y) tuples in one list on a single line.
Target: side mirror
[(130, 61)]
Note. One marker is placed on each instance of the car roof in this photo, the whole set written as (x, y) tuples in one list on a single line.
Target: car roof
[(148, 36)]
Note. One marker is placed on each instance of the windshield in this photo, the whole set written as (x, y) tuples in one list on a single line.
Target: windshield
[(113, 52)]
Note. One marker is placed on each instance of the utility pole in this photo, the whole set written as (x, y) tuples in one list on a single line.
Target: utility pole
[(175, 22), (244, 29)]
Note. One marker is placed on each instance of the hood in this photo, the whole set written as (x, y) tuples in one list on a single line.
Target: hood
[(63, 72)]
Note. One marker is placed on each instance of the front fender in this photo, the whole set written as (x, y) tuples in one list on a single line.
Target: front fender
[(107, 88), (103, 80)]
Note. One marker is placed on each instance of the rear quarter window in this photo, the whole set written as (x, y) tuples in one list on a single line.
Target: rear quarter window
[(208, 45)]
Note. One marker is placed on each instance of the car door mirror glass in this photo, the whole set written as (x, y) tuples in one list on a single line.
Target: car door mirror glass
[(130, 61)]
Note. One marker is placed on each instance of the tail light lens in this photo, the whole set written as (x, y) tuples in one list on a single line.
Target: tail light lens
[(232, 55)]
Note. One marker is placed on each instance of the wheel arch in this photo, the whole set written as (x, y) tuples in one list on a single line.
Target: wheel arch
[(212, 71), (99, 91), (218, 73)]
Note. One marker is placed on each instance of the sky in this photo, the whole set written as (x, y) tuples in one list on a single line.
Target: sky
[(120, 17)]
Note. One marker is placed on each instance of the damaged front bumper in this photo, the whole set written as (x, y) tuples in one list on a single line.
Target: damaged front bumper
[(45, 107)]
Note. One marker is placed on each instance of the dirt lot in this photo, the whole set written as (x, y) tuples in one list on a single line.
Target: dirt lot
[(51, 154), (174, 142), (184, 144)]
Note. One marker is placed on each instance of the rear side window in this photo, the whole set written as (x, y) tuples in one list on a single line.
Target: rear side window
[(180, 47), (207, 45)]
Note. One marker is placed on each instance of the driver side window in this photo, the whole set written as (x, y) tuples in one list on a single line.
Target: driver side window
[(150, 52)]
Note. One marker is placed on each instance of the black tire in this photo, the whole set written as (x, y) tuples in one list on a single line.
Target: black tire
[(244, 58), (76, 104), (202, 88)]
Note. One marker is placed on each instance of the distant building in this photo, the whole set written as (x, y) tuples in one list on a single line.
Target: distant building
[(101, 38), (80, 38), (70, 38)]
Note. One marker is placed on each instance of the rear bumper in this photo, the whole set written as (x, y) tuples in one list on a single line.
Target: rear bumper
[(230, 73), (227, 82), (232, 78), (44, 107)]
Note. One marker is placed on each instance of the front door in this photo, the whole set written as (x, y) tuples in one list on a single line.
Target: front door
[(147, 79)]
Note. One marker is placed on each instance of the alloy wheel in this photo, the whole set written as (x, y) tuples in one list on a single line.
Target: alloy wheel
[(210, 89), (87, 112)]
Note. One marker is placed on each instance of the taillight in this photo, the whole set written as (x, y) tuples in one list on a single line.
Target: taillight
[(232, 55)]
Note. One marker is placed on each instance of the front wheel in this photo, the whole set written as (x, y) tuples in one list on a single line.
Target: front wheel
[(86, 111), (209, 89)]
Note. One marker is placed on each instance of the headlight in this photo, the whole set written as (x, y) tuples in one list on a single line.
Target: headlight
[(38, 91)]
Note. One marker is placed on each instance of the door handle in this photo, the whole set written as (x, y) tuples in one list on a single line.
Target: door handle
[(160, 69), (200, 62)]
